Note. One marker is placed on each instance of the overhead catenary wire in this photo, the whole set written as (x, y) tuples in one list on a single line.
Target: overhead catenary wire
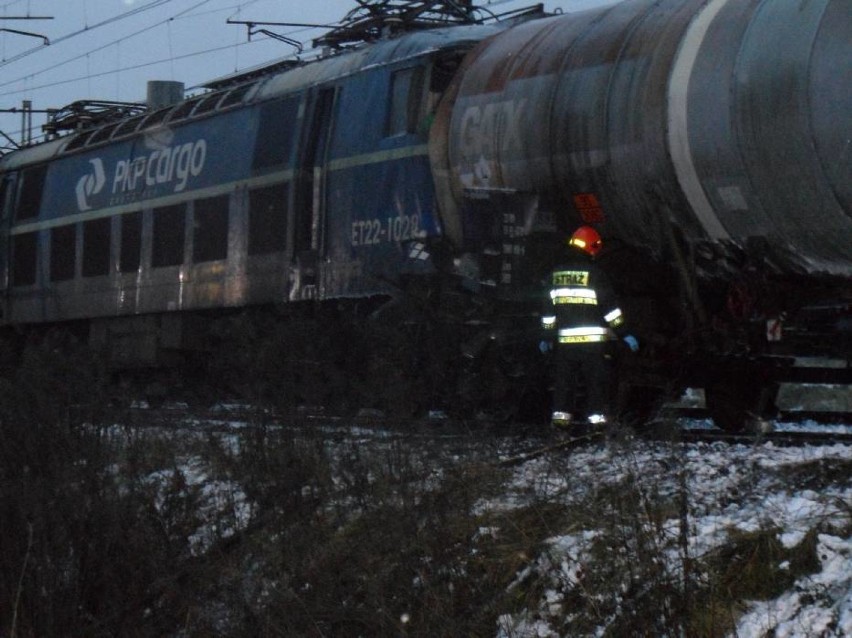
[(130, 68), (186, 13), (151, 5), (87, 55), (183, 14), (95, 50), (92, 58), (27, 83), (135, 67)]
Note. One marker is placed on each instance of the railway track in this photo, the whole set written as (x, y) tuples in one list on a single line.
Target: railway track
[(779, 437), (822, 417), (676, 435), (667, 427)]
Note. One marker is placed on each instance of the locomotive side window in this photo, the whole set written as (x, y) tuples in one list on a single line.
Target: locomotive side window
[(155, 118), (31, 188), (405, 101), (276, 132), (443, 71), (5, 189), (63, 252), (207, 104), (210, 229), (79, 141), (310, 196), (131, 242), (235, 96), (183, 110), (268, 219), (103, 134), (128, 126), (97, 238), (169, 233), (24, 255)]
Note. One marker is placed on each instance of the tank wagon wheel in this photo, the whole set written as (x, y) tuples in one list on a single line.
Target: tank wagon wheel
[(637, 404), (740, 399)]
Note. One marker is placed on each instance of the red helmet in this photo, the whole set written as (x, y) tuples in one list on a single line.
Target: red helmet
[(586, 239)]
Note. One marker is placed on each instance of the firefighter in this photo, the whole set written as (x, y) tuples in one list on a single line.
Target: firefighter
[(582, 320)]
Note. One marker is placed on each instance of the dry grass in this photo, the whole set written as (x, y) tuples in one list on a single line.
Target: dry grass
[(339, 538)]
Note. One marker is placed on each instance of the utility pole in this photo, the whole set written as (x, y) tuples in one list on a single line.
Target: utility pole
[(26, 123), (27, 107)]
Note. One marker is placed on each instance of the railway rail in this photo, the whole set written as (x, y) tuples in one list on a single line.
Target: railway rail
[(818, 435), (668, 427), (822, 417)]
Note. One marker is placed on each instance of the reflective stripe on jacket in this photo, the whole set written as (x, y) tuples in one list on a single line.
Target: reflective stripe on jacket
[(581, 305), (585, 334)]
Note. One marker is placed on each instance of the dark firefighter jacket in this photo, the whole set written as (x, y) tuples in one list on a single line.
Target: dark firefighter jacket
[(581, 306)]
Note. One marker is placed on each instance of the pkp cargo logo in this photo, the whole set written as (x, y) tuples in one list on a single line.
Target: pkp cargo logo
[(163, 170), (91, 184)]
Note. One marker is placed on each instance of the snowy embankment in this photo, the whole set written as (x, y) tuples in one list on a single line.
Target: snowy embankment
[(652, 538), (789, 498)]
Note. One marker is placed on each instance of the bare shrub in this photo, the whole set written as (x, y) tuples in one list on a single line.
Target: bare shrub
[(622, 564), (353, 540), (83, 550)]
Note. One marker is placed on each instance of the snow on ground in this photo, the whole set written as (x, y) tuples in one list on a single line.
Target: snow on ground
[(791, 493), (221, 506), (732, 489)]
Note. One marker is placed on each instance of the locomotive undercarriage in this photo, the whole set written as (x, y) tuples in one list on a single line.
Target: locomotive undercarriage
[(439, 349), (424, 351), (451, 345)]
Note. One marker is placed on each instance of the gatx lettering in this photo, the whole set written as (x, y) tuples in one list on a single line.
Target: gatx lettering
[(493, 127)]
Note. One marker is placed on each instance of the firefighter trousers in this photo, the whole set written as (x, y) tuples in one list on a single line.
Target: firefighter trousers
[(585, 379)]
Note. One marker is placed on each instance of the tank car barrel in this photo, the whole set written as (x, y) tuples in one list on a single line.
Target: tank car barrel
[(728, 118)]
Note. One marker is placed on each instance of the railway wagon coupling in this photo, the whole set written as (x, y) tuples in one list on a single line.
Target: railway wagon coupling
[(375, 223)]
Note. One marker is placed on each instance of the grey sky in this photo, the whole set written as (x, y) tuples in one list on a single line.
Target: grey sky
[(109, 49)]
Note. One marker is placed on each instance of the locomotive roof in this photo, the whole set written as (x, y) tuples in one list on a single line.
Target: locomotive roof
[(275, 82), (381, 53), (30, 155)]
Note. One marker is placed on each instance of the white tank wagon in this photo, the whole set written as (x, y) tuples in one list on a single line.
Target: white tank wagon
[(725, 120)]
